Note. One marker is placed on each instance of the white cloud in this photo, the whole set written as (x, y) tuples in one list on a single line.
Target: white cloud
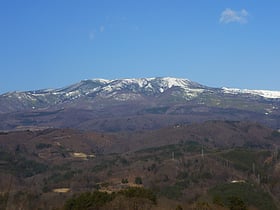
[(231, 16)]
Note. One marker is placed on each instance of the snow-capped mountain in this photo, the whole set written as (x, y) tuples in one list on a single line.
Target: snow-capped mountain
[(180, 99), (120, 90), (146, 86)]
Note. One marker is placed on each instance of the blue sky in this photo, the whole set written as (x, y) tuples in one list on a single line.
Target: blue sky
[(54, 43)]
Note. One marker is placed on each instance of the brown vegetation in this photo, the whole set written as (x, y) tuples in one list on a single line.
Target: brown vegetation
[(179, 164)]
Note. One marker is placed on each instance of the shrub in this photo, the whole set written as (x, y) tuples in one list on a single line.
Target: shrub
[(124, 181), (138, 180)]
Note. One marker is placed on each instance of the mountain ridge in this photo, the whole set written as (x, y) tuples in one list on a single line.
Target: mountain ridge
[(125, 104), (164, 82)]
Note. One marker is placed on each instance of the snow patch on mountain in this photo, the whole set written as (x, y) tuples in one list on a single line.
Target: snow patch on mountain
[(102, 81), (264, 93), (171, 82)]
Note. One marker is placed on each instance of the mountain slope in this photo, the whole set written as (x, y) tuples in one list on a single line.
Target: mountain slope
[(133, 104)]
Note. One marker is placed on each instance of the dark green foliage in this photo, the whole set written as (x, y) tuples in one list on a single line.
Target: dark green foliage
[(96, 199), (124, 181), (138, 180), (139, 192), (43, 146), (88, 201), (172, 192), (242, 195), (235, 203)]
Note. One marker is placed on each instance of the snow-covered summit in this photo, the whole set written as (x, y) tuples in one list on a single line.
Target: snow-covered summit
[(126, 88), (148, 85), (142, 82)]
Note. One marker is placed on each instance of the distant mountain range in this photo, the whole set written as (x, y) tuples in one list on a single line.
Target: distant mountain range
[(135, 104)]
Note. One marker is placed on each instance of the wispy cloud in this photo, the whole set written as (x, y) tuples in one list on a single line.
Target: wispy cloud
[(231, 16), (93, 34)]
